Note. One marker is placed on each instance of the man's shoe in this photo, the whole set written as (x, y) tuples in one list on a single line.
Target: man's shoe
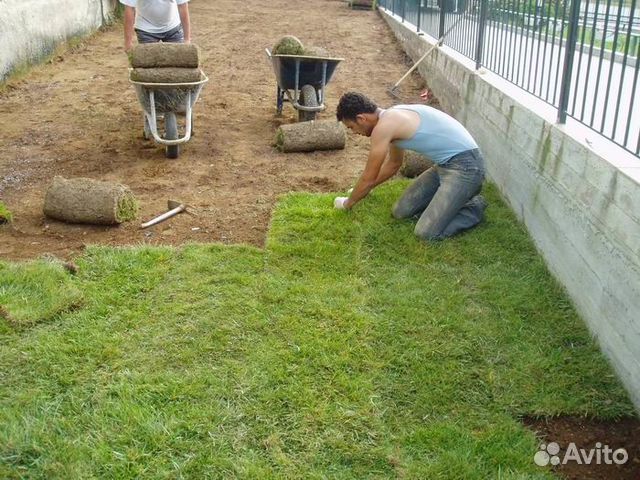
[(480, 201)]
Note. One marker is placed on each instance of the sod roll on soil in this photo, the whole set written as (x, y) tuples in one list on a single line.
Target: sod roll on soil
[(414, 164), (83, 200), (158, 55), (361, 3), (166, 75), (310, 136)]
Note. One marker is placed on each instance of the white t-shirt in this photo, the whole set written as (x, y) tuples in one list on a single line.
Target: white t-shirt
[(155, 16)]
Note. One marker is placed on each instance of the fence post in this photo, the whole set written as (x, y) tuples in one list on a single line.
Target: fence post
[(404, 4), (441, 27), (484, 6), (569, 55), (419, 15)]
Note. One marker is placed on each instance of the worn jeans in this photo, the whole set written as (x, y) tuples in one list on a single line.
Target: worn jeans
[(446, 197), (175, 35)]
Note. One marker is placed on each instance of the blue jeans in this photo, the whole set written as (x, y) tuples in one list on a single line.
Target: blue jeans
[(175, 35), (445, 197)]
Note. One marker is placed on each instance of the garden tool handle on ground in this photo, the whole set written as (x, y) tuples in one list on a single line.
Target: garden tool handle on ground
[(164, 216)]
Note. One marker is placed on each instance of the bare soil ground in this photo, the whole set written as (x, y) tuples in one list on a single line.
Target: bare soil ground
[(590, 434), (78, 116)]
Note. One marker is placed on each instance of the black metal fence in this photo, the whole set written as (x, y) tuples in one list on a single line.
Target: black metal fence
[(581, 56)]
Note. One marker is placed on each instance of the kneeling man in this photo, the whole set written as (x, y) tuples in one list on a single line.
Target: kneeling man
[(445, 197)]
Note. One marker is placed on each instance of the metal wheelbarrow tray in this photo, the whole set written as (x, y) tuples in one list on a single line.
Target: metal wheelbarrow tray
[(307, 77), (168, 99)]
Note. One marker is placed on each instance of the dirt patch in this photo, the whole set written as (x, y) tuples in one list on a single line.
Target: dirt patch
[(588, 434), (79, 117)]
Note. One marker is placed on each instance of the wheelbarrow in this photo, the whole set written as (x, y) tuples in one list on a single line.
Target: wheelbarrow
[(167, 100), (301, 81)]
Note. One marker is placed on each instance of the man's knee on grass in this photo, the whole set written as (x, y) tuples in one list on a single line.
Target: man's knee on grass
[(427, 231), (402, 210)]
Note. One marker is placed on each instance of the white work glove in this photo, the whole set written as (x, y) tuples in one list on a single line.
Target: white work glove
[(339, 202)]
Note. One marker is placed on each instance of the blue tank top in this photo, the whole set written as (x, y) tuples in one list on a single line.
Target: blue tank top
[(438, 137)]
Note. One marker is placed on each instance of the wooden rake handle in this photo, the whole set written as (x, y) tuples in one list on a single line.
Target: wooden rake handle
[(433, 47)]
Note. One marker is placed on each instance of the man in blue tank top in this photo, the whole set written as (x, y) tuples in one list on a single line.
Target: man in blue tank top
[(446, 197)]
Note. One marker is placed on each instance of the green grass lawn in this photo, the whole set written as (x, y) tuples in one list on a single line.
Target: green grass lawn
[(346, 349)]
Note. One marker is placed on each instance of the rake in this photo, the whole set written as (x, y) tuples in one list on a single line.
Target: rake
[(393, 90)]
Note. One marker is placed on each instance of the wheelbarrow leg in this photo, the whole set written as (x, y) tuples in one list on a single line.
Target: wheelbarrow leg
[(324, 83), (279, 100), (146, 134)]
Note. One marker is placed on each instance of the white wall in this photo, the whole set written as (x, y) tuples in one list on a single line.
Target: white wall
[(579, 200), (30, 29)]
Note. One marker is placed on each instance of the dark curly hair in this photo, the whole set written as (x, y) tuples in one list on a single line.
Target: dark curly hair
[(353, 104)]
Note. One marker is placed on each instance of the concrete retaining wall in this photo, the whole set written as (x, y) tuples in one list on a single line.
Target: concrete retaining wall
[(579, 199), (31, 29)]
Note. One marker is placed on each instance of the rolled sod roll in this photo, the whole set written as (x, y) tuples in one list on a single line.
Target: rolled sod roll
[(316, 52), (310, 136), (158, 55), (414, 164), (288, 45), (166, 75), (83, 200), (362, 3)]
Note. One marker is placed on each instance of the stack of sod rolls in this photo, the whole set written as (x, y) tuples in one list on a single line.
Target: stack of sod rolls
[(165, 63)]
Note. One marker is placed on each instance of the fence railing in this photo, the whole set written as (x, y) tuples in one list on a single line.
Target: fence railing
[(581, 56)]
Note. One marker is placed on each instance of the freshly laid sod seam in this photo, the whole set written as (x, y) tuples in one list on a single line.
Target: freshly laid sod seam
[(35, 292), (346, 349)]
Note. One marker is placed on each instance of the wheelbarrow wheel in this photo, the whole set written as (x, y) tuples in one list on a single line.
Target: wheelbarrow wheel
[(308, 98), (171, 133)]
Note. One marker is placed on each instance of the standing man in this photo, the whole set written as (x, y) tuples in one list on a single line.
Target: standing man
[(156, 21), (446, 197)]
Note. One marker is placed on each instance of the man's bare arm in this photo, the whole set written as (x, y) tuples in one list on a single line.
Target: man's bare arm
[(391, 165), (183, 9), (380, 142), (129, 20)]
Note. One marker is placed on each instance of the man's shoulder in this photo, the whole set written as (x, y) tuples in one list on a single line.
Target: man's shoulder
[(387, 126), (398, 115)]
